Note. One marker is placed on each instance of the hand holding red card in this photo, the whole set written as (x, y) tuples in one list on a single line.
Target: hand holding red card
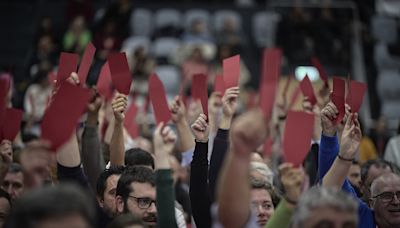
[(355, 95), (86, 62), (231, 70), (338, 95), (120, 73), (308, 91), (158, 100), (297, 137), (68, 64), (60, 118), (199, 91), (12, 126)]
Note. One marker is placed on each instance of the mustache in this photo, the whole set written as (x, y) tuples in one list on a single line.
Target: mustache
[(151, 217)]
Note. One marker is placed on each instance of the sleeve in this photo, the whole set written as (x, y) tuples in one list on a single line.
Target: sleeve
[(72, 174), (187, 157), (92, 158), (217, 158), (328, 150), (281, 217), (389, 151), (311, 163), (198, 191), (165, 199)]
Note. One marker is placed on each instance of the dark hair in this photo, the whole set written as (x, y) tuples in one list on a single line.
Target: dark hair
[(367, 165), (4, 194), (50, 203), (15, 168), (132, 174), (102, 180), (257, 183), (137, 156), (125, 220)]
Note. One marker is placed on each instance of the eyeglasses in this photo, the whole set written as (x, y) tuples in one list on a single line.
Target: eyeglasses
[(387, 197), (143, 203)]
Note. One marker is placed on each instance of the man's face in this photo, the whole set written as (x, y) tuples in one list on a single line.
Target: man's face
[(108, 201), (387, 212), (262, 204), (4, 210), (373, 173), (14, 184), (141, 203), (354, 175), (330, 217)]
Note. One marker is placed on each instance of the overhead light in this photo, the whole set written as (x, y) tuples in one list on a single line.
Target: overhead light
[(301, 71)]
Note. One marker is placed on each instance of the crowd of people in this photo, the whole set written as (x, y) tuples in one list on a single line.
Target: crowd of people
[(221, 167)]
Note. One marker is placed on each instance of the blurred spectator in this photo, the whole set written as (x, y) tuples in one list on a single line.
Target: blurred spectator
[(367, 150), (119, 13), (198, 33), (108, 37), (141, 64), (354, 176), (231, 34), (5, 206), (392, 151), (194, 64), (45, 56), (77, 36), (13, 182), (46, 28), (35, 101), (380, 135), (77, 8)]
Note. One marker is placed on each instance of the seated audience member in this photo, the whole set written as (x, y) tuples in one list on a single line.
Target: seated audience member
[(106, 189), (321, 207), (197, 33), (264, 200), (5, 206), (77, 36), (13, 182), (53, 206), (354, 177), (126, 221), (392, 151)]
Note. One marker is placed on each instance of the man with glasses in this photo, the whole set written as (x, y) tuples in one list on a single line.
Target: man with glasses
[(385, 200)]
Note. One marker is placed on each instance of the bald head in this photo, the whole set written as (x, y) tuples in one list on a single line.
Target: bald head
[(381, 182)]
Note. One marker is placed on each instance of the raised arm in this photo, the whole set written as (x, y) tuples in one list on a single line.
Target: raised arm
[(164, 142), (248, 132), (220, 147), (92, 157), (199, 195), (178, 112), (350, 142), (117, 146)]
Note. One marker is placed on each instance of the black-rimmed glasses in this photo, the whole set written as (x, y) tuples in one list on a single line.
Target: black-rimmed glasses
[(143, 203), (387, 197)]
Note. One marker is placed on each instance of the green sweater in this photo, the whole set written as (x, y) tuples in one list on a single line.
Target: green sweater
[(165, 199), (281, 217)]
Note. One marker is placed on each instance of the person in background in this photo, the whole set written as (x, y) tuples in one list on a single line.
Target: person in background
[(5, 206), (13, 182), (77, 36), (392, 151), (354, 177)]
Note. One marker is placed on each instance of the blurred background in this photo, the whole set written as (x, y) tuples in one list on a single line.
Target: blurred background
[(359, 38)]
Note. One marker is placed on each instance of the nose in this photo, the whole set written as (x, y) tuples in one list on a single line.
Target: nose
[(152, 208), (261, 210)]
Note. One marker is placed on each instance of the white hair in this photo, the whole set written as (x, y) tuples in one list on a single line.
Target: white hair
[(263, 169)]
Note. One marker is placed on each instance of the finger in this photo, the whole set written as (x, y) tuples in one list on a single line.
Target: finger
[(332, 106), (158, 128)]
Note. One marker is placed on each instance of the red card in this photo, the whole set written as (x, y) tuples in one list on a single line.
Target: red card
[(3, 94), (104, 84), (60, 118), (130, 121), (308, 91), (199, 90), (231, 71), (120, 73), (324, 76), (297, 137), (219, 84), (86, 62), (339, 89), (269, 82), (158, 100), (12, 126), (355, 95), (68, 64), (295, 96)]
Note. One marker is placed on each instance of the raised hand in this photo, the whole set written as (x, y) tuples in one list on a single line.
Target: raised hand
[(6, 151), (119, 105), (229, 101), (200, 128), (328, 116), (248, 132), (164, 140), (178, 109), (351, 138), (93, 110), (292, 180)]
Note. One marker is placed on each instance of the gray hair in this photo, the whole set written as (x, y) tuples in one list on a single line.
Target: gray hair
[(318, 197), (377, 183), (263, 169)]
